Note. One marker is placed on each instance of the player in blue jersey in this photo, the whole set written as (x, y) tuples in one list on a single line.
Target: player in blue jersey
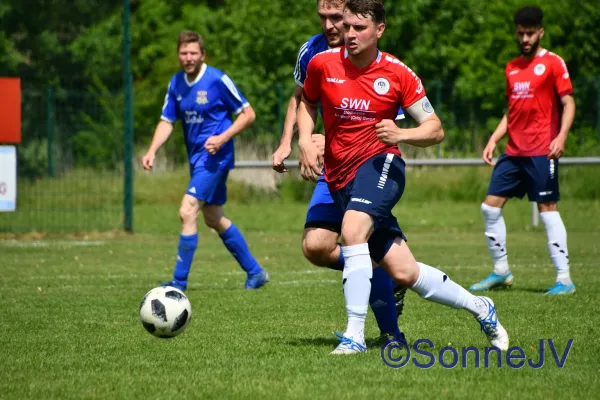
[(204, 100), (324, 220)]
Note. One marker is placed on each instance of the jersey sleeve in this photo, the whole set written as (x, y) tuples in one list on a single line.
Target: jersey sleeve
[(312, 83), (169, 110), (234, 101), (411, 88), (561, 79), (301, 65)]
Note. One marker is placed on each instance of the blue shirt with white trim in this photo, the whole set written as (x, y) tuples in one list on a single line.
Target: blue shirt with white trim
[(311, 48), (205, 108)]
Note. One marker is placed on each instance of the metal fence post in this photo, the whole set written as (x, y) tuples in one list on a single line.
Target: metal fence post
[(128, 124)]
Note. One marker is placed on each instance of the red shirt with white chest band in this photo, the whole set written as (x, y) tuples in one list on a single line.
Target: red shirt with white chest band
[(534, 89), (353, 101)]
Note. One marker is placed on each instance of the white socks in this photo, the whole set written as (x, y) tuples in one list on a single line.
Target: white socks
[(495, 234), (557, 245), (436, 286), (357, 274)]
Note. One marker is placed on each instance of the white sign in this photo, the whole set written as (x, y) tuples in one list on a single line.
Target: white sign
[(8, 178)]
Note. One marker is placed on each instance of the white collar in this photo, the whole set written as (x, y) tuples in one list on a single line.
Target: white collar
[(200, 74)]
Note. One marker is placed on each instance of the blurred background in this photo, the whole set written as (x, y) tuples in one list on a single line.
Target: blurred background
[(94, 74)]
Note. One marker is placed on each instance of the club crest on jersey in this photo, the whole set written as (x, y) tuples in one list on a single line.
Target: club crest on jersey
[(381, 86), (202, 97), (539, 69)]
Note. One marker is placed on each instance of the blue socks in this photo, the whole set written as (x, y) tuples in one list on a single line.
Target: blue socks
[(382, 302), (185, 255), (236, 244)]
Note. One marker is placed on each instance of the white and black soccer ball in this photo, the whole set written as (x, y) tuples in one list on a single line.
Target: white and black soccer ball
[(165, 312)]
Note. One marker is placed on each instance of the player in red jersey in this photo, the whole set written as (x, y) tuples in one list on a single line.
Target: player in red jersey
[(540, 113), (360, 89)]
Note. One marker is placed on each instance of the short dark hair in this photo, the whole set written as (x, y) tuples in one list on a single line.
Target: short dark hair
[(530, 16), (374, 8), (334, 2), (190, 37)]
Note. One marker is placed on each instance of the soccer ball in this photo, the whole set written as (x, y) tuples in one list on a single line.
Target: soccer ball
[(165, 312)]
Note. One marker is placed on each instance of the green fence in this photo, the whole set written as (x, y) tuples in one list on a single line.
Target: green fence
[(71, 161)]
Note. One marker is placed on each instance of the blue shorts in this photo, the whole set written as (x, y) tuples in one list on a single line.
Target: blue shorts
[(209, 186), (514, 176), (375, 190), (322, 211)]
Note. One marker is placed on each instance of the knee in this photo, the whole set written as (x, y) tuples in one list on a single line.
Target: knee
[(490, 212), (356, 228), (406, 275), (213, 221), (188, 213), (319, 253)]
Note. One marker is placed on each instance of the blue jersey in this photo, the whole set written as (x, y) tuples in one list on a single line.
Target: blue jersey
[(205, 107), (314, 46)]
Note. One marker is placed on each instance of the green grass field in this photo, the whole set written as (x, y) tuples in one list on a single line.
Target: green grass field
[(70, 326)]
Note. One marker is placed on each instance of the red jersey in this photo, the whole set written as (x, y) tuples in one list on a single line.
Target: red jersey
[(534, 89), (353, 101)]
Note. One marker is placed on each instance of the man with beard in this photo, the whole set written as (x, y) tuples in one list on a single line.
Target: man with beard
[(540, 112), (324, 220), (204, 99)]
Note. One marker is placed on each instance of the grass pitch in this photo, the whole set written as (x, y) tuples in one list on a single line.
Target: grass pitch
[(70, 326)]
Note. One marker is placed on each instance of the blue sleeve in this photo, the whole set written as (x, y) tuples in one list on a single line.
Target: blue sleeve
[(230, 95), (301, 64), (400, 114), (169, 110)]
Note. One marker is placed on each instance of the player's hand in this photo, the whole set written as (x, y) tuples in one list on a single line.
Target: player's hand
[(278, 158), (213, 144), (488, 153), (148, 161), (319, 141), (309, 161), (557, 148), (388, 132)]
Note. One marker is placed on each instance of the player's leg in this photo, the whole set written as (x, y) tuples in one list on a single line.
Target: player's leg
[(231, 236), (507, 181), (320, 246), (432, 284), (188, 240), (363, 198), (544, 190)]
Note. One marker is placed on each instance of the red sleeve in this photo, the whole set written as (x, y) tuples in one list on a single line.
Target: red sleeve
[(411, 87), (560, 75), (312, 83)]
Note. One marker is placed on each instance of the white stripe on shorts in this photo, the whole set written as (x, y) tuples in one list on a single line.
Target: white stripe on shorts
[(385, 170)]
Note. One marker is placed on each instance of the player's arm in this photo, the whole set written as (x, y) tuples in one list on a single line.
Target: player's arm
[(163, 129), (244, 119), (500, 131), (428, 133), (557, 146), (310, 158), (161, 134), (285, 144)]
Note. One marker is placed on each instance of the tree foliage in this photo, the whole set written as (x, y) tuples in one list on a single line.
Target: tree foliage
[(458, 47)]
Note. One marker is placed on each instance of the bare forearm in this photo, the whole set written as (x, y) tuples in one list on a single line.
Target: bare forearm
[(161, 134), (427, 134), (501, 130), (289, 123), (244, 120), (306, 118), (568, 115)]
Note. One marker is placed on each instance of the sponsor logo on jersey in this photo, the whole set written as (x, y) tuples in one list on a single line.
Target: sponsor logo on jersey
[(514, 71), (355, 104), (192, 117), (335, 80), (381, 86)]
